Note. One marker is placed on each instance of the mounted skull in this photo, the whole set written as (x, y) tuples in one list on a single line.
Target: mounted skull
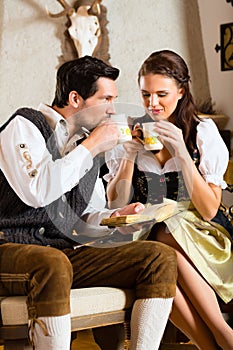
[(84, 28)]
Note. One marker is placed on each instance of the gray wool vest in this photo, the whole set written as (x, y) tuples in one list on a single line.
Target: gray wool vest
[(51, 225)]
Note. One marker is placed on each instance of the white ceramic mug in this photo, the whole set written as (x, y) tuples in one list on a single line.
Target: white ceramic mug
[(122, 126), (150, 137)]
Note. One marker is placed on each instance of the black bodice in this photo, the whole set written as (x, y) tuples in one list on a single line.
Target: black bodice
[(149, 187)]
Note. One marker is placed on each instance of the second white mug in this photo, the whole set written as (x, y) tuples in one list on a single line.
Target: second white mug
[(150, 137)]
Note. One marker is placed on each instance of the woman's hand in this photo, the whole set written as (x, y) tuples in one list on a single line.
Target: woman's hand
[(172, 138), (205, 197), (134, 146)]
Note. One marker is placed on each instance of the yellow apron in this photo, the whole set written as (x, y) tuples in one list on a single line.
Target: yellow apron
[(208, 245)]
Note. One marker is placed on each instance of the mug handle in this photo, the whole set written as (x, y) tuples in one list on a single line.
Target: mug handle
[(140, 139)]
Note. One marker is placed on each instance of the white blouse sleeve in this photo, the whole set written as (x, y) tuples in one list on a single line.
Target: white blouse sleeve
[(214, 155), (113, 159)]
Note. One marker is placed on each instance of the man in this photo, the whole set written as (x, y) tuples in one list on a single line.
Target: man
[(48, 182)]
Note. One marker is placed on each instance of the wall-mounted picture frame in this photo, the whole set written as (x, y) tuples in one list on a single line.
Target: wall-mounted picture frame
[(226, 32)]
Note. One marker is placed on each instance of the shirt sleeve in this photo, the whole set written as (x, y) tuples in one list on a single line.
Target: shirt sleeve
[(214, 155), (96, 209), (94, 216), (30, 169)]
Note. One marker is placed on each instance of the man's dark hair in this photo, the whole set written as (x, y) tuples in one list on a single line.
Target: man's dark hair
[(81, 75)]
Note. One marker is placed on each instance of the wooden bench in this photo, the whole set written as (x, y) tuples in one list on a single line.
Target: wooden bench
[(90, 308)]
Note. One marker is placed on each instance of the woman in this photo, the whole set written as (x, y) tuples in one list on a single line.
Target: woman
[(188, 169)]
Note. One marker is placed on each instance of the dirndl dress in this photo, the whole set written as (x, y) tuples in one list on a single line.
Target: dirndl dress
[(207, 243)]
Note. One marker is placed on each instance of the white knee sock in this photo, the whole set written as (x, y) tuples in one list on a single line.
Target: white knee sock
[(59, 333), (148, 322)]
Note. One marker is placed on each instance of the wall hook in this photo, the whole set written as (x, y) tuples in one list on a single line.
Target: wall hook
[(217, 48)]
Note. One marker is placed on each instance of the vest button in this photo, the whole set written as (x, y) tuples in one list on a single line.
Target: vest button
[(74, 232), (41, 231), (63, 197)]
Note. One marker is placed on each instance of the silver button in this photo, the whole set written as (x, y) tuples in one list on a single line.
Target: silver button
[(63, 197), (74, 232), (61, 215), (41, 231)]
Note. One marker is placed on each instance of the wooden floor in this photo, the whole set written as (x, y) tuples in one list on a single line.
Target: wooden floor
[(84, 340), (177, 346), (93, 346), (76, 346)]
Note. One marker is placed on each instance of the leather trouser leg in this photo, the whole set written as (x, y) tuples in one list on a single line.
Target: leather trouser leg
[(44, 274)]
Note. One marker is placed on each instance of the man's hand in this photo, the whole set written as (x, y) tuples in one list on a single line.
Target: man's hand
[(103, 138), (133, 208)]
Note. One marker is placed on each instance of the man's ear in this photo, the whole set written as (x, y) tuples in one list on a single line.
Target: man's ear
[(74, 99)]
